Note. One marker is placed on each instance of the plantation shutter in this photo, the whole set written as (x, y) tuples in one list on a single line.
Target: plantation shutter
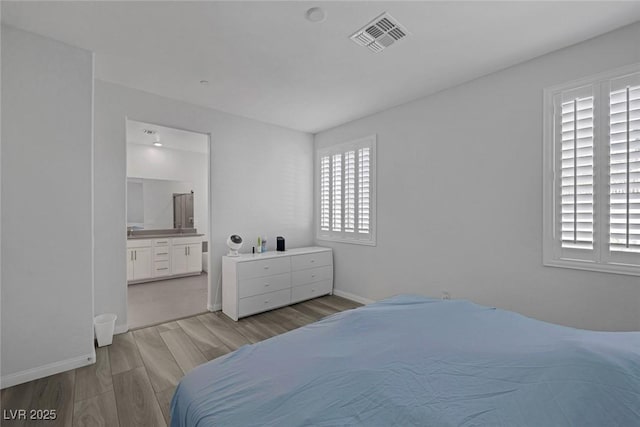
[(336, 189), (324, 193), (591, 175), (576, 129), (364, 189), (345, 186), (624, 165), (349, 191)]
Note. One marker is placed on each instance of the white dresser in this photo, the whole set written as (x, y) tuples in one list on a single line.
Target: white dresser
[(252, 283)]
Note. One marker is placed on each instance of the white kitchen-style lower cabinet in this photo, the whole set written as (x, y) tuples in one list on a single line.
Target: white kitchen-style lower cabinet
[(253, 283), (163, 258)]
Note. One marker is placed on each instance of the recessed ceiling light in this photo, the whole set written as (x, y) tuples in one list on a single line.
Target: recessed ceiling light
[(316, 14), (204, 82), (157, 144)]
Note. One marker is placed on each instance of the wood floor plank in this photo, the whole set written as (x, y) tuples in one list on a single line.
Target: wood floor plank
[(230, 337), (184, 351), (162, 368), (124, 354), (248, 329), (308, 311), (97, 411), (164, 400), (337, 303), (168, 326), (210, 345), (268, 323), (291, 318), (324, 309), (94, 379), (54, 392), (136, 401), (16, 398)]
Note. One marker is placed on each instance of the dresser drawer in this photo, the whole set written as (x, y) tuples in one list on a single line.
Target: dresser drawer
[(138, 243), (265, 267), (311, 275), (264, 302), (161, 268), (261, 285), (161, 242), (161, 253), (301, 293), (319, 259), (186, 240)]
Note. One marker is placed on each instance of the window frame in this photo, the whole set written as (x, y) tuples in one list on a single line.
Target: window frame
[(600, 258), (344, 236)]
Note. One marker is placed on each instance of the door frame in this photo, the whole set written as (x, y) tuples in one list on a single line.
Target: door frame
[(209, 258)]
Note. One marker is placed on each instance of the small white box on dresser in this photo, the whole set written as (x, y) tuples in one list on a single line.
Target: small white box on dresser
[(253, 283)]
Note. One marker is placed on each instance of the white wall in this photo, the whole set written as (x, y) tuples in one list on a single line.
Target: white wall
[(460, 174), (47, 247), (261, 177), (146, 161)]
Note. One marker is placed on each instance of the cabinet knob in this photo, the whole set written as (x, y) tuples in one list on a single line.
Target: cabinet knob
[(266, 284), (266, 301), (313, 275), (266, 267), (313, 260), (313, 290)]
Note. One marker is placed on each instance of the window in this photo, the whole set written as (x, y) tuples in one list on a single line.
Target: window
[(346, 192), (592, 173)]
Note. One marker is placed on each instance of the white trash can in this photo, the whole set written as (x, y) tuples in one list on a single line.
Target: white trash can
[(104, 326)]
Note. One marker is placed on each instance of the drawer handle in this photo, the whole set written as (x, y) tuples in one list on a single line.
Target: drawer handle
[(266, 301), (161, 242), (162, 253), (163, 268)]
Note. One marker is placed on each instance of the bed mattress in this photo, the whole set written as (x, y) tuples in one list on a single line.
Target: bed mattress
[(416, 361)]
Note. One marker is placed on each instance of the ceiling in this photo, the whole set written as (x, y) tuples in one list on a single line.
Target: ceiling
[(265, 61), (171, 138)]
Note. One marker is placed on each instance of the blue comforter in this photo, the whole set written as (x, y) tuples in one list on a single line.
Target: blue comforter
[(415, 361)]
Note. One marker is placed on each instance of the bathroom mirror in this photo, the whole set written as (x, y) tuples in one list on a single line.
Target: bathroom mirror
[(154, 204)]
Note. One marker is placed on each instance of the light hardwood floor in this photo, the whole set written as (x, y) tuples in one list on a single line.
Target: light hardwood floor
[(133, 380)]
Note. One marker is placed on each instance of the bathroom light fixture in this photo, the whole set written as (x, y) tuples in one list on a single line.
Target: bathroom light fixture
[(204, 82), (316, 15), (157, 142)]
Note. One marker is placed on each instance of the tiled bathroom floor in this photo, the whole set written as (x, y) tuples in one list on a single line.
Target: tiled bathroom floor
[(156, 302)]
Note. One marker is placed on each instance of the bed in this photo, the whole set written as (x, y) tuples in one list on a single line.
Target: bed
[(416, 361)]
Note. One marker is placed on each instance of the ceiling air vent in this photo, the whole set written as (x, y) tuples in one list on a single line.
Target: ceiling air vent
[(380, 33)]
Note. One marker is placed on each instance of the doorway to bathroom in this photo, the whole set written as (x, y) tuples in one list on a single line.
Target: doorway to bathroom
[(168, 223)]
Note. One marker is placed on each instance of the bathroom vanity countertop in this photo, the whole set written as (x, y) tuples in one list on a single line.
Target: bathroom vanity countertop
[(161, 235)]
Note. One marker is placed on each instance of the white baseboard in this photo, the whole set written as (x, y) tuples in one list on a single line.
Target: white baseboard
[(121, 329), (46, 370), (353, 297), (215, 307)]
